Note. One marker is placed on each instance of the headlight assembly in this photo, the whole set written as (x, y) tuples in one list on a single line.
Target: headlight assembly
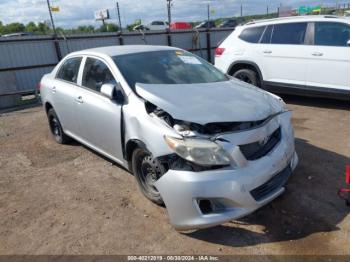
[(200, 151)]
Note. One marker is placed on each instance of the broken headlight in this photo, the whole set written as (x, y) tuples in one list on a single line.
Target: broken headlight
[(200, 151)]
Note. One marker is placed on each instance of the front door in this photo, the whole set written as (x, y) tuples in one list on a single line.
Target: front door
[(99, 117), (329, 58)]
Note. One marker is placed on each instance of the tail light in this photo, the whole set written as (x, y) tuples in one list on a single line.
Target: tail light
[(219, 51), (347, 174)]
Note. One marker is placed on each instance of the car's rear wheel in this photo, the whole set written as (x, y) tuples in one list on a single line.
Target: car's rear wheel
[(56, 128), (147, 171), (247, 75)]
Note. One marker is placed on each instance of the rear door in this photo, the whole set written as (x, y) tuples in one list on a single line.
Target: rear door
[(64, 92), (329, 57), (99, 117), (282, 53)]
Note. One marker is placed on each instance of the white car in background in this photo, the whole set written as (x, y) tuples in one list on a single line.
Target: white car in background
[(158, 25), (297, 55)]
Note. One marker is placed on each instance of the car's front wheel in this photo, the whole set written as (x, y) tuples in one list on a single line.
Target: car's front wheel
[(147, 171), (56, 128), (248, 76)]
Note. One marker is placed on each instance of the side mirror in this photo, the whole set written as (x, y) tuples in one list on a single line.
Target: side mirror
[(108, 90), (114, 92), (348, 43)]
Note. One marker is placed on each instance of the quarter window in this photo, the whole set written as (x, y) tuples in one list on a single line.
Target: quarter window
[(289, 34), (96, 73), (331, 34), (69, 70), (252, 34)]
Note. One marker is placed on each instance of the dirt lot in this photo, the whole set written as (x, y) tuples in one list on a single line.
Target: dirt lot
[(68, 200)]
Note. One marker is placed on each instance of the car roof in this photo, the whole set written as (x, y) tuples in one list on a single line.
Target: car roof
[(123, 50), (309, 18)]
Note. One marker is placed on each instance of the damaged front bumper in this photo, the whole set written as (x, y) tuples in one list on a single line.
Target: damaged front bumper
[(202, 199)]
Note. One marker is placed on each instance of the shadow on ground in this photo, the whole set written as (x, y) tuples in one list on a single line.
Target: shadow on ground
[(317, 102), (309, 205)]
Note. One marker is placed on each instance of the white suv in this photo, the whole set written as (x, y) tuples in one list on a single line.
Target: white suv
[(297, 55)]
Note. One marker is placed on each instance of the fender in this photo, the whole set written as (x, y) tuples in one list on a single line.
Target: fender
[(251, 64)]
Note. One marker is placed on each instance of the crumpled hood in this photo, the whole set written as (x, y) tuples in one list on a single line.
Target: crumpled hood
[(230, 101)]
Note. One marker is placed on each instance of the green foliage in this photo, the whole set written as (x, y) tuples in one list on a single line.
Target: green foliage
[(31, 27), (108, 28), (12, 28)]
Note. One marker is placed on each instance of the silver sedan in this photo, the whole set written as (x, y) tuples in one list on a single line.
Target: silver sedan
[(209, 147)]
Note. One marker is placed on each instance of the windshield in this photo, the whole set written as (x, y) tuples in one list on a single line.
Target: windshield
[(167, 67)]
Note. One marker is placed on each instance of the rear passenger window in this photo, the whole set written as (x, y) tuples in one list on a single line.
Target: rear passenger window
[(289, 34), (96, 73), (266, 38), (69, 70), (252, 34), (331, 34)]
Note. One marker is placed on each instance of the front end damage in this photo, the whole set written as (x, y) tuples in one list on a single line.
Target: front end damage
[(198, 194), (263, 158)]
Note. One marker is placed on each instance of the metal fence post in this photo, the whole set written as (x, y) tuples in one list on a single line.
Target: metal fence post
[(208, 45), (168, 36), (121, 40), (57, 48)]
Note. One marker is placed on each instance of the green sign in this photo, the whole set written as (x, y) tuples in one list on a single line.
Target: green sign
[(304, 10)]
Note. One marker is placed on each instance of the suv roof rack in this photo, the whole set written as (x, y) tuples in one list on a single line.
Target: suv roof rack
[(291, 18)]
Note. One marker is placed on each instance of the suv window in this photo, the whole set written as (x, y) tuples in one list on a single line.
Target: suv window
[(96, 73), (266, 38), (252, 34), (289, 34), (331, 34), (157, 23), (69, 70)]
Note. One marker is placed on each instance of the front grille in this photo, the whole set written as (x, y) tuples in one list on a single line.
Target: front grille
[(272, 185), (257, 150)]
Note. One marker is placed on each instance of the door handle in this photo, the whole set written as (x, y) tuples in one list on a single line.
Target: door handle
[(317, 54), (53, 89), (267, 52), (79, 99)]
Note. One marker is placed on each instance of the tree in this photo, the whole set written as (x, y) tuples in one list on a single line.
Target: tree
[(31, 27), (43, 28), (1, 27), (85, 29), (14, 28), (108, 28)]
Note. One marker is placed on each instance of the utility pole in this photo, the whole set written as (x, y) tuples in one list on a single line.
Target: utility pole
[(208, 9), (118, 14), (53, 25), (169, 11), (241, 8)]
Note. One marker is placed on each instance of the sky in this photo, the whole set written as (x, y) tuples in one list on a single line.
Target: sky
[(81, 12)]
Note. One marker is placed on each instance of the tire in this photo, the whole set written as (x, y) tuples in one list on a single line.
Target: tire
[(56, 128), (147, 171), (247, 75)]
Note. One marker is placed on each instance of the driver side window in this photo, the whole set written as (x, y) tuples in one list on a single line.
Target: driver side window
[(95, 74)]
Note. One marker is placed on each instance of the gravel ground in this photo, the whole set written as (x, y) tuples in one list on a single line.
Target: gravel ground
[(58, 199)]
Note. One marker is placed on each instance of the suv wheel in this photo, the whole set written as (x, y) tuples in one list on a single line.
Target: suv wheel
[(56, 128), (247, 75), (147, 171)]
